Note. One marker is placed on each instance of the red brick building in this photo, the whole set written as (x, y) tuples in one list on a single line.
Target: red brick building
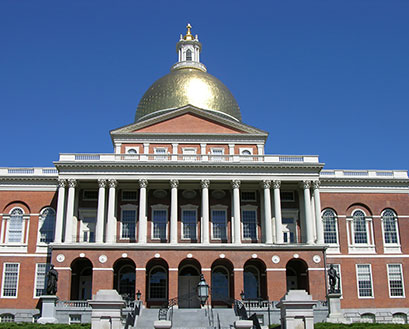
[(189, 190)]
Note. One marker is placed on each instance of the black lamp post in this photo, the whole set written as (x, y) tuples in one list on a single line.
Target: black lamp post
[(202, 290), (138, 295)]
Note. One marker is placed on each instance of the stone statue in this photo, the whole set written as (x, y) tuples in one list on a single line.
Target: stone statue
[(52, 278), (333, 279)]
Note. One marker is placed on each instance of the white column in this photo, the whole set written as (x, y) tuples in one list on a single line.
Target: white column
[(111, 223), (205, 210), (99, 229), (277, 212), (59, 222), (175, 152), (308, 215), (236, 211), (317, 206), (69, 221), (174, 183), (267, 212), (143, 231)]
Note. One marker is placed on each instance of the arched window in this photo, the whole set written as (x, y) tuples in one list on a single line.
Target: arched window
[(399, 318), (220, 284), (368, 318), (251, 277), (330, 227), (47, 225), (188, 55), (15, 227), (360, 229), (7, 317), (158, 282), (390, 229), (132, 151)]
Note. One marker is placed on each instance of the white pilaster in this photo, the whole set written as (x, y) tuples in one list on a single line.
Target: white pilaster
[(62, 183), (317, 206), (175, 152), (308, 214), (143, 232), (69, 220), (267, 212), (99, 229), (111, 223), (277, 211), (174, 183), (205, 210), (236, 211)]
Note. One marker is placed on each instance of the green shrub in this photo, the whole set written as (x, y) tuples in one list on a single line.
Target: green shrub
[(360, 326), (26, 325)]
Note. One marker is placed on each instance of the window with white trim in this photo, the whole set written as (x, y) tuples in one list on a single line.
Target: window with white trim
[(217, 154), (395, 279), (360, 228), (189, 224), (10, 280), (189, 154), (15, 226), (249, 220), (47, 225), (128, 222), (74, 318), (160, 153), (219, 223), (40, 279), (364, 280), (329, 222), (159, 223), (390, 227)]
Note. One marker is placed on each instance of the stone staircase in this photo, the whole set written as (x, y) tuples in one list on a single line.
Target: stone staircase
[(189, 318)]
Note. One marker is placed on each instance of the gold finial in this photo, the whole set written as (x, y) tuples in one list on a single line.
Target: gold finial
[(188, 35)]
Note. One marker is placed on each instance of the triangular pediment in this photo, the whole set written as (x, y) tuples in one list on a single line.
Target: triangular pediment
[(188, 120)]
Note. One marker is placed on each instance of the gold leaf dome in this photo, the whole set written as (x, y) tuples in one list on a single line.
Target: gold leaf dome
[(188, 85)]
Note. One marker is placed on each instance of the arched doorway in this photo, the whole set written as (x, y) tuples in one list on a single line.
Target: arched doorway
[(222, 283), (124, 278), (188, 278), (81, 279), (254, 280), (157, 282), (297, 275)]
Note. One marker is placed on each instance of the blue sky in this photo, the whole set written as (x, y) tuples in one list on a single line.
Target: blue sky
[(322, 77)]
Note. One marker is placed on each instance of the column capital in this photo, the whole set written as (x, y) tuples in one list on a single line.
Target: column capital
[(235, 183), (266, 184), (174, 183), (276, 184), (112, 182), (102, 183), (62, 182), (72, 182), (143, 183), (205, 183), (306, 184), (316, 184)]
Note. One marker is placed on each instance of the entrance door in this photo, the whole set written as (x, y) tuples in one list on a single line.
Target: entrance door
[(187, 286), (85, 286)]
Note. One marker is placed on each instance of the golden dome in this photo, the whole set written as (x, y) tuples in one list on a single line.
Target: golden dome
[(188, 85)]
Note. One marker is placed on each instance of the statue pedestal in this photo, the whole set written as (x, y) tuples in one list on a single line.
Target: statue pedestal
[(334, 305), (106, 306), (243, 324), (48, 309), (297, 310)]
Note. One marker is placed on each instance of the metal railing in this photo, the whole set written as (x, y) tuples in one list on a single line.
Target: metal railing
[(378, 174)]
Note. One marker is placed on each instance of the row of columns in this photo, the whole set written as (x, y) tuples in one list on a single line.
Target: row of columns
[(68, 208)]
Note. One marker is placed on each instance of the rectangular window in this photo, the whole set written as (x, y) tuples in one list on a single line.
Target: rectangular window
[(248, 196), (189, 154), (189, 222), (15, 231), (217, 154), (364, 278), (75, 318), (249, 224), (129, 195), (159, 221), (219, 224), (128, 224), (160, 153), (287, 196), (395, 280), (10, 279), (40, 279), (90, 195)]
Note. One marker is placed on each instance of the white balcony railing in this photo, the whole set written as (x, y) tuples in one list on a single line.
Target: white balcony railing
[(382, 174), (28, 171), (112, 157)]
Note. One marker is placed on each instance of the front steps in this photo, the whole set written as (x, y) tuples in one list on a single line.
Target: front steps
[(189, 318)]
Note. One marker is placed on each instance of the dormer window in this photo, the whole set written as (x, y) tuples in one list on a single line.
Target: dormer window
[(188, 55), (132, 151)]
